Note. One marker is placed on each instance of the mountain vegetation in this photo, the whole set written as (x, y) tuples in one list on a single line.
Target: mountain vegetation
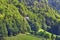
[(55, 4), (28, 20)]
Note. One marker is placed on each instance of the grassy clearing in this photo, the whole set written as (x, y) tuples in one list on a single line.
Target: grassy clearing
[(23, 37)]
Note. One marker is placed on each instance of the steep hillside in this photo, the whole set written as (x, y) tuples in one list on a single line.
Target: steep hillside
[(55, 4), (30, 17), (47, 17), (11, 22)]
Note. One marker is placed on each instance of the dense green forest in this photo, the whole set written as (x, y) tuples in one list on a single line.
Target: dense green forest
[(29, 20)]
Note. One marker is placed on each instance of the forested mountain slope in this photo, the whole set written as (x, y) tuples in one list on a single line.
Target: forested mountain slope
[(47, 15), (30, 17), (55, 4)]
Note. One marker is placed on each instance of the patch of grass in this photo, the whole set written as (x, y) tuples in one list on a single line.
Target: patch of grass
[(23, 37)]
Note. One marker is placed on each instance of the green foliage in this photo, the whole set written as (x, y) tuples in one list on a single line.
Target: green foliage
[(11, 22), (17, 17), (23, 37)]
